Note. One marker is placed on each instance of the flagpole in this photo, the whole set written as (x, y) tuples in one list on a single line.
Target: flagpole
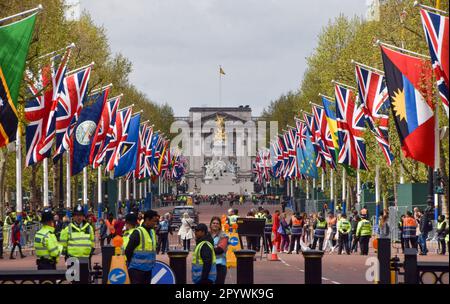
[(70, 46), (134, 189), (377, 193), (127, 193), (36, 9), (85, 190), (119, 190), (437, 158), (314, 189), (80, 68), (307, 189), (19, 173), (367, 67), (332, 190), (358, 188), (436, 9), (45, 169), (322, 182), (379, 42), (220, 87), (68, 188), (100, 192), (343, 191)]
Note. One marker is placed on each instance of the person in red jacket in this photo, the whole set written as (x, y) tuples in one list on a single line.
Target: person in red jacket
[(15, 239), (275, 226)]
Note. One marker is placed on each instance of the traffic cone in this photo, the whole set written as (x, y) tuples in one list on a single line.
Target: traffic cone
[(274, 256)]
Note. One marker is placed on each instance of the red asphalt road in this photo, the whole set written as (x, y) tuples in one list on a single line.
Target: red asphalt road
[(336, 269)]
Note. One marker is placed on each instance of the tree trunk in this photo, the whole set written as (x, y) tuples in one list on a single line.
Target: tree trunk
[(3, 163)]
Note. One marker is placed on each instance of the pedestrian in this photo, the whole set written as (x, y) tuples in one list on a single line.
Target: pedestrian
[(332, 223), (163, 234), (119, 225), (276, 235), (141, 250), (1, 239), (409, 230), (400, 232), (363, 233), (441, 232), (353, 239), (268, 232), (385, 229), (58, 226), (110, 232), (186, 233), (296, 225), (320, 225), (15, 239), (425, 226), (220, 249), (77, 238), (285, 232), (103, 232), (46, 244), (344, 228), (204, 258)]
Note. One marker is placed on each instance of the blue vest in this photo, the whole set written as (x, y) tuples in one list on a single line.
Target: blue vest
[(221, 259), (164, 227)]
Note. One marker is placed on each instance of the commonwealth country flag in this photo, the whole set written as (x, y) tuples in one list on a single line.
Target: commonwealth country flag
[(15, 41)]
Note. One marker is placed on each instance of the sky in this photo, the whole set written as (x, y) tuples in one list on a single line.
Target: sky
[(176, 46)]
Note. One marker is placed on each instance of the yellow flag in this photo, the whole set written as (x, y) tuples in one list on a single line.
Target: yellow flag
[(221, 71)]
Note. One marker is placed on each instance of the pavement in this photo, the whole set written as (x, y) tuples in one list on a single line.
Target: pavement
[(336, 269)]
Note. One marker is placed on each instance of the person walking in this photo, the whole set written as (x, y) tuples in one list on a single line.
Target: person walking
[(141, 250), (363, 233), (15, 239), (46, 244), (186, 233), (343, 227), (110, 223), (103, 232), (385, 230), (268, 232), (409, 230), (425, 226), (163, 234), (220, 249), (320, 225), (276, 235), (284, 231), (442, 233), (354, 240), (296, 225), (204, 269)]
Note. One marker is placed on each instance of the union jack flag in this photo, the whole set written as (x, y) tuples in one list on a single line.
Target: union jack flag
[(350, 123), (148, 153), (310, 123), (436, 29), (292, 164), (41, 109), (104, 128), (144, 133), (70, 102), (115, 145), (374, 96), (323, 135)]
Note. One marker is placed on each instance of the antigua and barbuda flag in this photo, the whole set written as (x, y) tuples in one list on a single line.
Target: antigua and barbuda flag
[(128, 149), (409, 82)]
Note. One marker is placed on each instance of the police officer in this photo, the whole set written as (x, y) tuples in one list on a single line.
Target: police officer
[(232, 216), (268, 232), (131, 221), (441, 232), (141, 249), (77, 238), (344, 228), (204, 258), (320, 225), (46, 245), (364, 232)]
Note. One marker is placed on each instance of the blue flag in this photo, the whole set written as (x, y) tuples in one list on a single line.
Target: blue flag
[(306, 158), (128, 148), (83, 133)]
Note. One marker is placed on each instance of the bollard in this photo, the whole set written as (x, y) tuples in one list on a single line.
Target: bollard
[(178, 264), (313, 266), (384, 257), (244, 265), (107, 253), (410, 265)]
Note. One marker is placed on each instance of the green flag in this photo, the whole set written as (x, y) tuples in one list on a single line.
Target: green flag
[(15, 41)]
